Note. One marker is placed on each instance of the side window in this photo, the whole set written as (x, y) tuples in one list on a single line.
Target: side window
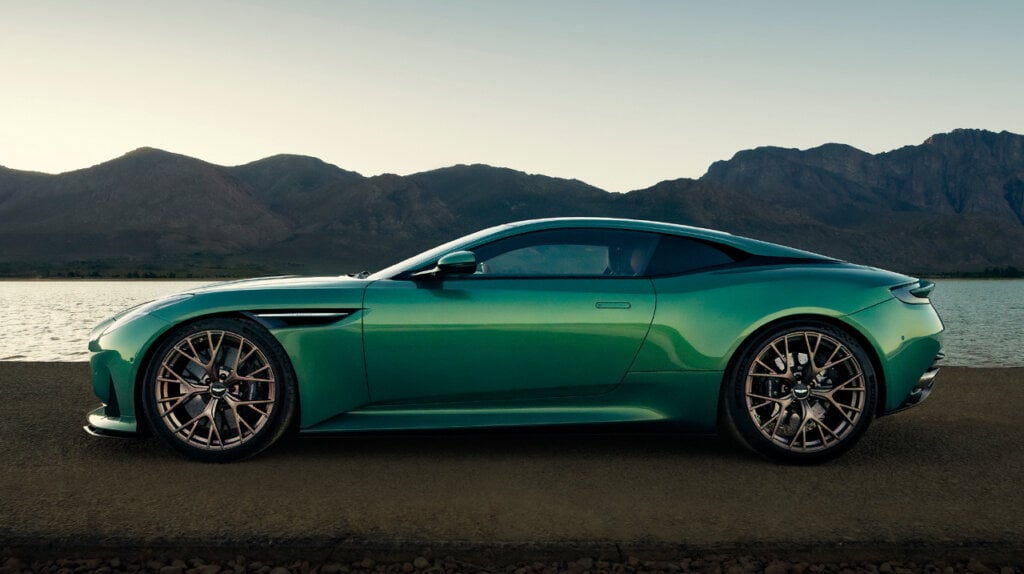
[(676, 255), (548, 260), (567, 253)]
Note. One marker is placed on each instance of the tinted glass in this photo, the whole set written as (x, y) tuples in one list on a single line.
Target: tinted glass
[(567, 253), (676, 255)]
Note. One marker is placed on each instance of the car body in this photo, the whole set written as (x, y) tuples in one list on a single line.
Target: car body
[(542, 322)]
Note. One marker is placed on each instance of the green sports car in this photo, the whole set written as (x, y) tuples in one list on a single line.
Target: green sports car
[(544, 322)]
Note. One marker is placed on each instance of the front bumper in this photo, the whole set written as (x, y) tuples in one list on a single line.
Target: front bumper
[(115, 363), (99, 424)]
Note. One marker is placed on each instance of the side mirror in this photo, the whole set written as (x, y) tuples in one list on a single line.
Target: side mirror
[(457, 262)]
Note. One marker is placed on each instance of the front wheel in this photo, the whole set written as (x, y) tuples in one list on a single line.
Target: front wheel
[(219, 390), (803, 392)]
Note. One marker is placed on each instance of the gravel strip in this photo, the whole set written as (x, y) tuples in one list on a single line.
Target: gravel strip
[(451, 565)]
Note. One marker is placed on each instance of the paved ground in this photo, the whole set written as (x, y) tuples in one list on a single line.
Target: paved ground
[(948, 474)]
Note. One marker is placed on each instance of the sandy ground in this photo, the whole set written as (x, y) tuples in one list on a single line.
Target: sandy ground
[(945, 477)]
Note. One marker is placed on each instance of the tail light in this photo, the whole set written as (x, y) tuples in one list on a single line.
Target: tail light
[(915, 293)]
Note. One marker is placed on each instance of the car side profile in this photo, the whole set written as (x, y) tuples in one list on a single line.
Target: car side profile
[(542, 322)]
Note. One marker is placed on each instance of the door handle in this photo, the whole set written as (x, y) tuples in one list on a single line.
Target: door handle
[(613, 305)]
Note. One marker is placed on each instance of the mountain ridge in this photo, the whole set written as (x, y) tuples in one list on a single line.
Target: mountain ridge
[(954, 203)]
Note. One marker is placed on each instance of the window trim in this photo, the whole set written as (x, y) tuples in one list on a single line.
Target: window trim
[(738, 256)]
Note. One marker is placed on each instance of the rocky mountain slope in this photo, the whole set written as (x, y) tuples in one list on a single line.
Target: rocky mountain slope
[(954, 203)]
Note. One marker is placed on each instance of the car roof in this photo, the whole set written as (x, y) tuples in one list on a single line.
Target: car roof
[(752, 246)]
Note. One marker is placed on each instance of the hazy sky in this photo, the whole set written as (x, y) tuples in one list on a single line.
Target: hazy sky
[(619, 94)]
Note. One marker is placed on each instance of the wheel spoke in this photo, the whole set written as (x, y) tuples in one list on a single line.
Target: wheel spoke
[(177, 379), (841, 387), (762, 397), (213, 350), (193, 421), (821, 425), (250, 375), (252, 405), (812, 352), (214, 431), (178, 401), (239, 421), (774, 419), (239, 359), (832, 356), (783, 357), (842, 410), (837, 362), (193, 357), (800, 429)]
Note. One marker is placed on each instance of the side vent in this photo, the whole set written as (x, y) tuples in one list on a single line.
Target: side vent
[(300, 317)]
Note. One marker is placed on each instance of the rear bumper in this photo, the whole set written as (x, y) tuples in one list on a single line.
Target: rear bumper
[(906, 338), (923, 388)]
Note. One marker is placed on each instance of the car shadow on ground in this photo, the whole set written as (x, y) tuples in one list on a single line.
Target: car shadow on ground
[(592, 441), (888, 441)]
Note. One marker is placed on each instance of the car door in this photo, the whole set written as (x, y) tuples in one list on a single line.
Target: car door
[(547, 314)]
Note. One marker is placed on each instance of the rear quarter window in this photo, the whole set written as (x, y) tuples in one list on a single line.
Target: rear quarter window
[(675, 255)]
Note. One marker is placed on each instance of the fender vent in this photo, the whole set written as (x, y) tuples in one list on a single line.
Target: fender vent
[(300, 317)]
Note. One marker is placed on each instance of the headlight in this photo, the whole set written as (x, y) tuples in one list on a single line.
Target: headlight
[(139, 310)]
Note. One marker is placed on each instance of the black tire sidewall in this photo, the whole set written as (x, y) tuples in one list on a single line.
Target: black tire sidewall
[(284, 407), (743, 427)]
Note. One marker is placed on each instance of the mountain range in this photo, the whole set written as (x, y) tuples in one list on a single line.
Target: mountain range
[(953, 204)]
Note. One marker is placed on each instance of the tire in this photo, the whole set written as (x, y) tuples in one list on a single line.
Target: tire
[(805, 410), (219, 390)]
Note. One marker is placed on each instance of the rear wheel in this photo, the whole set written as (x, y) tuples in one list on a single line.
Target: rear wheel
[(803, 392), (219, 390)]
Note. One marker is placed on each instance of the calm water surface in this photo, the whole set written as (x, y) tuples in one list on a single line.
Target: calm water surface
[(984, 321), (51, 320)]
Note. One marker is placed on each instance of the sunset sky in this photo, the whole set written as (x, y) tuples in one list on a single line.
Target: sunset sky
[(618, 94)]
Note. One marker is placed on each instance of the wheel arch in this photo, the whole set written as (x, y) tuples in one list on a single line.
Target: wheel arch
[(861, 339), (148, 357)]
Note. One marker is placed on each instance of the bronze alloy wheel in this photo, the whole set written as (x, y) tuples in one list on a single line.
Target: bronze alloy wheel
[(217, 387), (804, 394)]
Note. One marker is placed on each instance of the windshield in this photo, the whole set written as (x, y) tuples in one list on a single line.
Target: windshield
[(434, 254)]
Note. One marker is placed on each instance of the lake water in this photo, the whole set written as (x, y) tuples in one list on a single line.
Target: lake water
[(51, 320)]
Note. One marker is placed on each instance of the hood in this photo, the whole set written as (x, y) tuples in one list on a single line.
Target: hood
[(280, 282)]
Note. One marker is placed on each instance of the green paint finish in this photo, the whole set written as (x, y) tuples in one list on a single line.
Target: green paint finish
[(330, 358), (479, 338), (703, 317), (329, 362), (906, 338), (116, 359), (688, 399)]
